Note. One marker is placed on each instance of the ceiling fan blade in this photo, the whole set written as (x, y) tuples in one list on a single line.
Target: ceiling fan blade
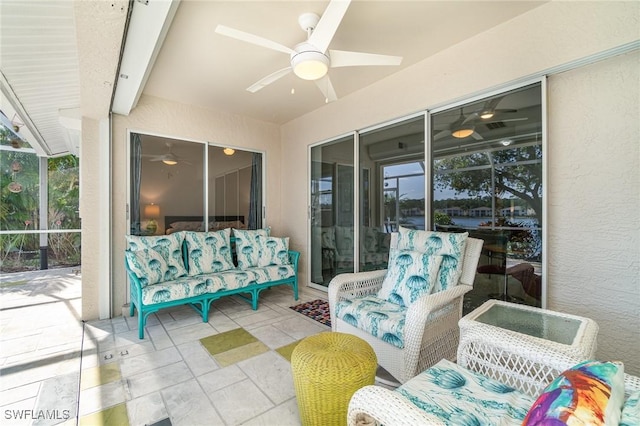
[(268, 79), (477, 136), (325, 86), (328, 24), (343, 58), (506, 120), (470, 117), (442, 134), (253, 39)]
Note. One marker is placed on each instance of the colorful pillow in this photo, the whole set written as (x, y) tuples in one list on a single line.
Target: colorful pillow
[(274, 251), (590, 393), (208, 252), (148, 265), (168, 246), (411, 274), (450, 246), (631, 410), (248, 246)]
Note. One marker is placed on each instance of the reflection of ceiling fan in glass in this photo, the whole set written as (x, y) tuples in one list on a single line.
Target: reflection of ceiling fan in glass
[(169, 158)]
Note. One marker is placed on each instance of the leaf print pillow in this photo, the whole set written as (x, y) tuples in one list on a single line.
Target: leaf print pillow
[(449, 245), (275, 251), (148, 265), (411, 275), (208, 252)]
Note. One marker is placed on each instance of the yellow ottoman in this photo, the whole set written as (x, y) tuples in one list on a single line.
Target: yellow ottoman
[(327, 369)]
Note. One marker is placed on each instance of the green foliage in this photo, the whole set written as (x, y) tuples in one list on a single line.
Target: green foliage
[(442, 219)]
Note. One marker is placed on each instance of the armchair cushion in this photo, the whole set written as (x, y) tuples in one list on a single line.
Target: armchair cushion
[(208, 252), (410, 274), (631, 410), (450, 246), (462, 397), (378, 317), (591, 392)]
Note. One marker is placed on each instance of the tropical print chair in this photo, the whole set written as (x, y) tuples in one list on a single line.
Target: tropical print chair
[(409, 312)]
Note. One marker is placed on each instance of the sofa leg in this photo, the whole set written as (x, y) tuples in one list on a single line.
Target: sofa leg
[(141, 321), (131, 309)]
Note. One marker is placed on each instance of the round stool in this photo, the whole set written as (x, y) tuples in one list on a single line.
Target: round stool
[(327, 370)]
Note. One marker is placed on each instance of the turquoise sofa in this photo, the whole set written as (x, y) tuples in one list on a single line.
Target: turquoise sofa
[(196, 268)]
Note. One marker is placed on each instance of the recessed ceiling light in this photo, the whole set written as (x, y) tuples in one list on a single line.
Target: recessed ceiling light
[(506, 142)]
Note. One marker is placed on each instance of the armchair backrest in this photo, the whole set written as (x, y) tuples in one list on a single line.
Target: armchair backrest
[(470, 259)]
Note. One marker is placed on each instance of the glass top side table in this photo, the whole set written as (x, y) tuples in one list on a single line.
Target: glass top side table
[(519, 345)]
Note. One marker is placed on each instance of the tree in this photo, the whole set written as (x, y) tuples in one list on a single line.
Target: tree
[(518, 171)]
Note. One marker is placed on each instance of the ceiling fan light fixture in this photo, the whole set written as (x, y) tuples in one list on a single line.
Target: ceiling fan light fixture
[(462, 132), (229, 151), (310, 64), (487, 114), (169, 162), (506, 142)]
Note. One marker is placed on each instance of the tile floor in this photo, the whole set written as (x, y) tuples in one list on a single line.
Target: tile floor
[(54, 369)]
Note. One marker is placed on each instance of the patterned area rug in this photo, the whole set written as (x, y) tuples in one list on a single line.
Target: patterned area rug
[(317, 309)]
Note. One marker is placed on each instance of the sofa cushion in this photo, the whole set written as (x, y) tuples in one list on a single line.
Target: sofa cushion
[(148, 265), (344, 240), (271, 273), (178, 289), (377, 317), (229, 280), (450, 246), (248, 246), (590, 393), (462, 397), (410, 275), (208, 252), (274, 251), (328, 237), (169, 247)]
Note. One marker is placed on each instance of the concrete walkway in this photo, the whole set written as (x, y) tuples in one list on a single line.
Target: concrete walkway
[(40, 347)]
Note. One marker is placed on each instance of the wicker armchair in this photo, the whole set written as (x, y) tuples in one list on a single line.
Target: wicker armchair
[(431, 324)]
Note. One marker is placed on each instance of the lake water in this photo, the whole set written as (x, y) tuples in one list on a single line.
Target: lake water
[(471, 222)]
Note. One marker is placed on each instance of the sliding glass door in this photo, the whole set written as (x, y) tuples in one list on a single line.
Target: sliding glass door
[(331, 210)]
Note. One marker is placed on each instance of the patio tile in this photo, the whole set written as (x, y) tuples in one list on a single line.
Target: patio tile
[(146, 410), (19, 393), (116, 415), (158, 335), (297, 328), (99, 375), (190, 333), (272, 337), (260, 317), (101, 397), (59, 395), (188, 405), (272, 374), (160, 378), (221, 378), (285, 414), (226, 402), (197, 358), (149, 361)]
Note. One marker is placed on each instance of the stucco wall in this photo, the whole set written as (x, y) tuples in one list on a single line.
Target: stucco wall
[(549, 36), (594, 201), (162, 117)]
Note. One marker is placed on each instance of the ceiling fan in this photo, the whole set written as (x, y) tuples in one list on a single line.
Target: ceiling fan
[(169, 158), (311, 60), (461, 128)]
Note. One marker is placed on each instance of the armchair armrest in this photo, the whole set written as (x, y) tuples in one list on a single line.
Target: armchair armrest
[(386, 407), (351, 285)]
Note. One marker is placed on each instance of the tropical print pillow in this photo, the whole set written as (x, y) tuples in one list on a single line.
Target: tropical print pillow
[(208, 252), (410, 275), (450, 246), (377, 317), (148, 265), (590, 393), (168, 246), (248, 246), (275, 251)]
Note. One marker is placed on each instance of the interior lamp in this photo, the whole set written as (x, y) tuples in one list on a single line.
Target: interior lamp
[(486, 114), (229, 151), (169, 162), (152, 212), (309, 64)]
